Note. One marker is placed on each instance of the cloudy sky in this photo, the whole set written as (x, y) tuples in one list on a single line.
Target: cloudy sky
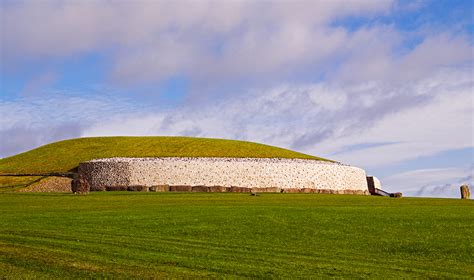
[(383, 85)]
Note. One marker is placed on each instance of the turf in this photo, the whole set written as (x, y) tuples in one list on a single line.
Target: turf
[(227, 235), (66, 155)]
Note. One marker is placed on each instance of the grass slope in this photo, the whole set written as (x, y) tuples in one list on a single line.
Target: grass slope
[(66, 155), (189, 235)]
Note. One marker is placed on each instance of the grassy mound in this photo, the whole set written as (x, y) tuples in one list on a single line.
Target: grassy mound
[(230, 235), (66, 155)]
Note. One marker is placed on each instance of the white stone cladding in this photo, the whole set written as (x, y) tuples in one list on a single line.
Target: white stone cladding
[(226, 172), (377, 183)]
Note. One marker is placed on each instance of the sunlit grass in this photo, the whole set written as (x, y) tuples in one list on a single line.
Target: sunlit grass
[(146, 235)]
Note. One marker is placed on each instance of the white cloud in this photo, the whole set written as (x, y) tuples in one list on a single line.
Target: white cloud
[(208, 40), (418, 119), (329, 98), (425, 118), (67, 27), (441, 123), (60, 107), (126, 124), (35, 120), (374, 55)]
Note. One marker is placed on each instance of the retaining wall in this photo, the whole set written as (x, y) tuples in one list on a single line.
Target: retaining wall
[(240, 173)]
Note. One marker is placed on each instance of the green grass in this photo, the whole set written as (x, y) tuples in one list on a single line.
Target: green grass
[(66, 155), (215, 235)]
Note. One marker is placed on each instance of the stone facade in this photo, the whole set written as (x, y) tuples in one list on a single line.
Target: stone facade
[(377, 183), (181, 174)]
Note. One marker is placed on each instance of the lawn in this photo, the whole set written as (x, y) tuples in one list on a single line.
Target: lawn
[(182, 235)]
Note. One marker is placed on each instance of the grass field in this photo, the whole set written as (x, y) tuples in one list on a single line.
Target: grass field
[(66, 155), (143, 235)]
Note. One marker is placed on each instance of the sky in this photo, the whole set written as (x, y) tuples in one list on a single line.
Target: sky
[(384, 85)]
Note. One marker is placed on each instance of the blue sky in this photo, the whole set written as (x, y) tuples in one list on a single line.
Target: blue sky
[(384, 85)]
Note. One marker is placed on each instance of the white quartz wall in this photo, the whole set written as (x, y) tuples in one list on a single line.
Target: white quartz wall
[(377, 184), (226, 172)]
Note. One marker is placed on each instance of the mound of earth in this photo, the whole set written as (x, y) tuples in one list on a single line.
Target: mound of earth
[(66, 155)]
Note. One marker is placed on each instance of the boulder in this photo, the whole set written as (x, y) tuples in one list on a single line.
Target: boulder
[(159, 188), (290, 190), (116, 188), (181, 188), (272, 189), (465, 193), (137, 188), (80, 185), (239, 189), (268, 189), (200, 189), (397, 194), (219, 189), (358, 192)]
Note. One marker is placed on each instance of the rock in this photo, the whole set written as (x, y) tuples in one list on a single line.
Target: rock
[(290, 190), (180, 188), (116, 188), (159, 188), (270, 189), (50, 184), (263, 190), (200, 189), (219, 189), (239, 189), (80, 185), (465, 193), (356, 192), (137, 188), (397, 194)]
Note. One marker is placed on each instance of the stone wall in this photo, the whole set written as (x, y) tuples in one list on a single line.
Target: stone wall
[(373, 183), (257, 173), (377, 183), (49, 184)]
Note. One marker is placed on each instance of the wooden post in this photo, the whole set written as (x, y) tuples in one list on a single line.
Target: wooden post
[(465, 194)]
